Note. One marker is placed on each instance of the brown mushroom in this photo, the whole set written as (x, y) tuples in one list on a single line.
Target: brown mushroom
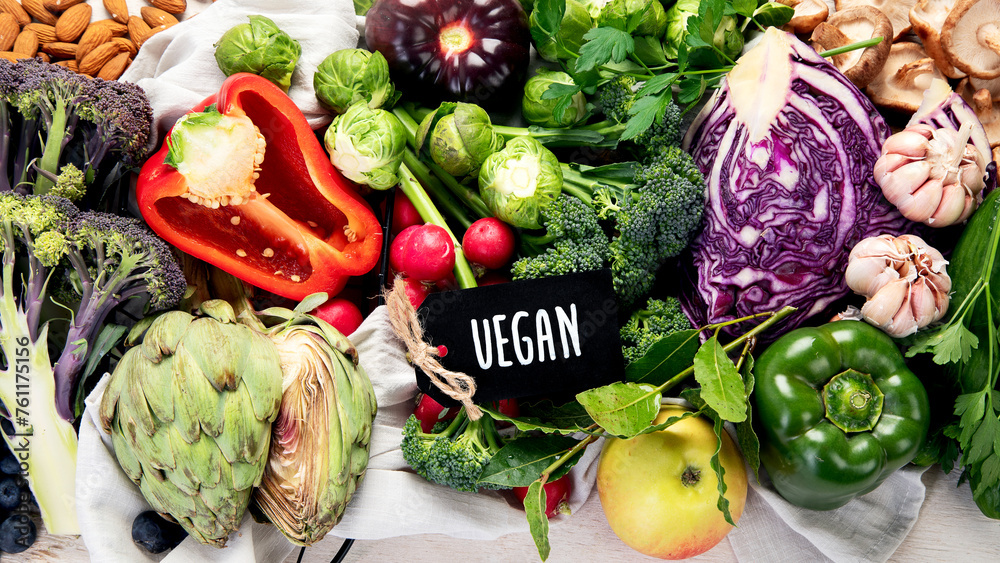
[(906, 74), (927, 18), (970, 37), (988, 111), (850, 26), (898, 12), (808, 14)]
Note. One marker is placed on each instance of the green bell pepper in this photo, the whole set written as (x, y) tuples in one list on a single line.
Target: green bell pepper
[(839, 412)]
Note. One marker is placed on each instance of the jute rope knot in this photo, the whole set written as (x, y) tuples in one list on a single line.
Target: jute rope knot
[(406, 325)]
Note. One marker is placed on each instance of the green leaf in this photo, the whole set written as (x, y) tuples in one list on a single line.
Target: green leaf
[(745, 7), (773, 14), (670, 422), (549, 15), (622, 409), (604, 45), (665, 358), (951, 344), (970, 408), (311, 301), (522, 461), (720, 473), (981, 445), (710, 14), (645, 111), (721, 385), (567, 415), (529, 424), (745, 434), (538, 523), (692, 88), (657, 84), (559, 90)]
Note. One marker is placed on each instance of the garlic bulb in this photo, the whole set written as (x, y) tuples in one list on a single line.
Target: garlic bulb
[(904, 279), (933, 176)]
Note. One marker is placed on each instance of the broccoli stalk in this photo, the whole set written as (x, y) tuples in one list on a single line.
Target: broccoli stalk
[(455, 456), (65, 118), (44, 236)]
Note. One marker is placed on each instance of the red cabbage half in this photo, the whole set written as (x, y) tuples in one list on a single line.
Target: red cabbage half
[(787, 146)]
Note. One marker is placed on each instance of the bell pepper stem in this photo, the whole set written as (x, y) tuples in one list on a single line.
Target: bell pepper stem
[(417, 195)]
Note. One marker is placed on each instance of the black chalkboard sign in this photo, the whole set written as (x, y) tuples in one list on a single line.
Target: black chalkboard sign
[(543, 337)]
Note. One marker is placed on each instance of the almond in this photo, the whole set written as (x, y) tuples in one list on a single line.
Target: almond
[(26, 43), (45, 33), (170, 6), (38, 11), (8, 31), (70, 64), (99, 56), (94, 36), (72, 23), (126, 44), (60, 50), (44, 57), (60, 5), (155, 16), (118, 10), (10, 56), (117, 29), (138, 30), (115, 67), (13, 7)]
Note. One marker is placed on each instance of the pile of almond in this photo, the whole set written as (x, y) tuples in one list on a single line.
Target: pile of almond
[(62, 32)]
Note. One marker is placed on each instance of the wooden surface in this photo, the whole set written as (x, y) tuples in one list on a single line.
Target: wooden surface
[(950, 528)]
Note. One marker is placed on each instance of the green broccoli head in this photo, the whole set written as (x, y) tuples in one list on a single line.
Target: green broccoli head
[(70, 183), (573, 242), (660, 318), (454, 457)]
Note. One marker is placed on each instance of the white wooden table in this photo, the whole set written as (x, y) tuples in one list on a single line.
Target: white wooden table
[(950, 528)]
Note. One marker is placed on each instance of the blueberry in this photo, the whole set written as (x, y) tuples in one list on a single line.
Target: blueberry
[(17, 533), (10, 465), (10, 493), (153, 533)]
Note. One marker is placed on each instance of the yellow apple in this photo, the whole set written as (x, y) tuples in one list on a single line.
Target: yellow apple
[(659, 492)]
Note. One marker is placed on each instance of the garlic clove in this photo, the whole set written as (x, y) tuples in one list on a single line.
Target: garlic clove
[(912, 141), (888, 163), (924, 303), (921, 204), (901, 183), (880, 309), (867, 276), (956, 201)]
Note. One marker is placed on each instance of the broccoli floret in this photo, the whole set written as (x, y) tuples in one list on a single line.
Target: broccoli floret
[(65, 117), (112, 258), (70, 183), (573, 242), (656, 214), (455, 456), (616, 98), (660, 318)]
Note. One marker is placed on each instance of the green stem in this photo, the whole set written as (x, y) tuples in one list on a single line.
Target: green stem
[(446, 202), (591, 438), (469, 198), (409, 124), (53, 148), (773, 317), (417, 195), (853, 46)]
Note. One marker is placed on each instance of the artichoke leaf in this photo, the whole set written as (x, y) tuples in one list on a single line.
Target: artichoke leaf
[(198, 406), (196, 465), (241, 442), (261, 374), (164, 334), (219, 349), (124, 452)]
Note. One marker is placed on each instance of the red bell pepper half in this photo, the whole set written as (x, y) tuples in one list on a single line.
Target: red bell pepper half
[(242, 182)]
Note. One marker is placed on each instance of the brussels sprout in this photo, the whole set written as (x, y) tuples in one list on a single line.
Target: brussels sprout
[(366, 145), (459, 137), (540, 111), (622, 14), (575, 22), (258, 47), (519, 181), (352, 75)]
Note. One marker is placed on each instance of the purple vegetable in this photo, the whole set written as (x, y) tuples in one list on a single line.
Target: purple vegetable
[(787, 147)]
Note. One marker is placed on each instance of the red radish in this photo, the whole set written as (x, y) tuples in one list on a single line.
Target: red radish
[(416, 291), (507, 407), (343, 314), (556, 495), (423, 252), (403, 213), (429, 412), (489, 242)]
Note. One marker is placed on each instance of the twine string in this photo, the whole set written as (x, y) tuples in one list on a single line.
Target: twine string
[(406, 324)]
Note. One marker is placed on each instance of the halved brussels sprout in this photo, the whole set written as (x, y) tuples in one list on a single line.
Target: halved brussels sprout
[(366, 145), (519, 181)]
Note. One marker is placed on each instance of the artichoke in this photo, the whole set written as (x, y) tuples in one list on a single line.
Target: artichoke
[(189, 411), (320, 441)]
